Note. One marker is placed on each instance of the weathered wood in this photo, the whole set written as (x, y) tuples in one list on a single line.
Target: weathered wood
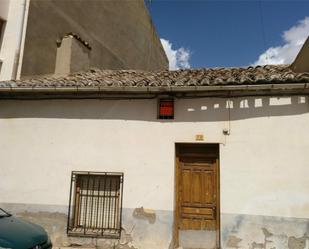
[(197, 189)]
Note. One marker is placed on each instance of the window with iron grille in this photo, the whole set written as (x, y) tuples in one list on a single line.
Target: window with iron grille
[(95, 205)]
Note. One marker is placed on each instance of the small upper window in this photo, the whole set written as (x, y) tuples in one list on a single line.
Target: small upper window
[(166, 109), (95, 204)]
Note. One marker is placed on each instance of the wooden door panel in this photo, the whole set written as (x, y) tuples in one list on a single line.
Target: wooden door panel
[(186, 186), (197, 224), (197, 196), (209, 180), (197, 189), (203, 212)]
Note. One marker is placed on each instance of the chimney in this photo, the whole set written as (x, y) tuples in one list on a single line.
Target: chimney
[(72, 55), (301, 63)]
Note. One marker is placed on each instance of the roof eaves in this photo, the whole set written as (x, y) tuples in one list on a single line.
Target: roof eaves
[(127, 90)]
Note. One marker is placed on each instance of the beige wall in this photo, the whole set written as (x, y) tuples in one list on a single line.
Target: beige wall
[(4, 8), (12, 36), (120, 33), (263, 162)]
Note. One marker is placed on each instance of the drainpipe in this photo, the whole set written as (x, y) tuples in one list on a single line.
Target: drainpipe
[(22, 39)]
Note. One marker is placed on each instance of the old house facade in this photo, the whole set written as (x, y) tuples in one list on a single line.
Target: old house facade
[(202, 158)]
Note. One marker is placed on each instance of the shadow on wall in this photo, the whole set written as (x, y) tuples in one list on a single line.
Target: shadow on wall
[(186, 110)]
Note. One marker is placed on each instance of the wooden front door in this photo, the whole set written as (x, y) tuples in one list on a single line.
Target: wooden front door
[(197, 190)]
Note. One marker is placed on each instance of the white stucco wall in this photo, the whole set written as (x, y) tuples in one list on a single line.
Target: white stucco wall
[(263, 162), (10, 49)]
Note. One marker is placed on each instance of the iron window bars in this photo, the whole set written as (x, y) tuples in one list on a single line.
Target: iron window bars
[(95, 205)]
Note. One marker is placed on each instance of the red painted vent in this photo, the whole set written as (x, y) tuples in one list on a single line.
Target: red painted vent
[(166, 109)]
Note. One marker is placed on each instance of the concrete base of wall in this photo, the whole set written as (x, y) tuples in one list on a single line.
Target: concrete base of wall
[(141, 228), (197, 239), (256, 231), (152, 229)]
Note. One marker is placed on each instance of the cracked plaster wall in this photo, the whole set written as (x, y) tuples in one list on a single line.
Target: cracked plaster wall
[(263, 162), (142, 231), (237, 230), (265, 232)]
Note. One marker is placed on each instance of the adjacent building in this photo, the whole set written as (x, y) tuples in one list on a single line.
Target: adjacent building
[(12, 24), (43, 37)]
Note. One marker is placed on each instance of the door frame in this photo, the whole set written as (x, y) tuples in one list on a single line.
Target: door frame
[(176, 192)]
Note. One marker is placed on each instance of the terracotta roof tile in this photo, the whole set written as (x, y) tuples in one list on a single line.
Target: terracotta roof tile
[(189, 77)]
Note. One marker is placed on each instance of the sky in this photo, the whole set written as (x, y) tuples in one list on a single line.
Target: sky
[(230, 33)]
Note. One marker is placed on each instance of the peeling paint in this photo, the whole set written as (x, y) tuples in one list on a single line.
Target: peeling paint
[(126, 242), (125, 238), (267, 234), (136, 232), (297, 243), (147, 228), (255, 245), (293, 242), (233, 241), (147, 214)]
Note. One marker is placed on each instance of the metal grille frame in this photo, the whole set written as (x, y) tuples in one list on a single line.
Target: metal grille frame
[(95, 204)]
